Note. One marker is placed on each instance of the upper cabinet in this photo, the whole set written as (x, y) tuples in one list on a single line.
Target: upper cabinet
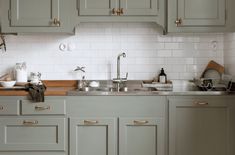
[(36, 16), (119, 7), (122, 11), (199, 15)]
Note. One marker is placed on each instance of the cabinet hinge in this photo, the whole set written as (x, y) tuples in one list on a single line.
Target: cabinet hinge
[(9, 15)]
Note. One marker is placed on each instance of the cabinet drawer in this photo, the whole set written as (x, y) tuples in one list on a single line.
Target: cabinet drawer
[(8, 107), (50, 107), (32, 134)]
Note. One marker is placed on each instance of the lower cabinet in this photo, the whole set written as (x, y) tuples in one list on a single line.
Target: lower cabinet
[(93, 136), (141, 136), (32, 134), (123, 125), (201, 125)]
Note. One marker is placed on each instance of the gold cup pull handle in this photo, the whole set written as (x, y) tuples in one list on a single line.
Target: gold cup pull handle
[(140, 122), (1, 107), (201, 103), (121, 11), (90, 122), (118, 11), (178, 22), (114, 11), (28, 122), (39, 108), (56, 22)]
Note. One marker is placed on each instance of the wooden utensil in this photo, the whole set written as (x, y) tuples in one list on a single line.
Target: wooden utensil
[(215, 66)]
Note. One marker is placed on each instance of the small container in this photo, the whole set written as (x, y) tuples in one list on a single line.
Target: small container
[(162, 78), (21, 72)]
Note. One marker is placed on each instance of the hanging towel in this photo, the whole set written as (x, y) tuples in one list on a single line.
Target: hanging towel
[(36, 91)]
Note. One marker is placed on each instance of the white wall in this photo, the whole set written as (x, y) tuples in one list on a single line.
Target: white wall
[(229, 53), (183, 56)]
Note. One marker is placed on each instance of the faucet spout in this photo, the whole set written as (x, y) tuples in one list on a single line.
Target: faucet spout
[(118, 64)]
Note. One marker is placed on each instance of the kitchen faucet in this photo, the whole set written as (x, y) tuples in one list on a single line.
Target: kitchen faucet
[(81, 82), (119, 80)]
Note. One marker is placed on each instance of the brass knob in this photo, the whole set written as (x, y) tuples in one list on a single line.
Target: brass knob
[(114, 11), (56, 22), (178, 22), (118, 12), (1, 107)]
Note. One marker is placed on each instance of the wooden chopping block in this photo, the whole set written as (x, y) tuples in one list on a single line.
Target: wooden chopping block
[(215, 66)]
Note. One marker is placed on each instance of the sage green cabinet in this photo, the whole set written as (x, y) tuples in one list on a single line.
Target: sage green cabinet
[(9, 107), (117, 125), (122, 11), (196, 15), (32, 134), (141, 136), (93, 136), (201, 125), (34, 12), (129, 7), (92, 7), (19, 16), (140, 7)]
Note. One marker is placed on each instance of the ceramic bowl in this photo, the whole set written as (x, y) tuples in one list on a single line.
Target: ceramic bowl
[(7, 84)]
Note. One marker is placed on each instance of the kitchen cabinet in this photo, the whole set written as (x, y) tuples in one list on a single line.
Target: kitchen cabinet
[(97, 133), (126, 7), (201, 125), (19, 16), (112, 125), (138, 136), (33, 128), (32, 134), (122, 11), (200, 15)]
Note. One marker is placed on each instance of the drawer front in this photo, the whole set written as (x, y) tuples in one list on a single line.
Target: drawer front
[(50, 107), (32, 134), (8, 107)]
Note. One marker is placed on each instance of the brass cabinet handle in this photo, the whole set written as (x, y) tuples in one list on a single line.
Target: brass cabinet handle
[(114, 11), (27, 122), (42, 108), (56, 22), (201, 103), (118, 12), (90, 122), (178, 22), (1, 107), (139, 122)]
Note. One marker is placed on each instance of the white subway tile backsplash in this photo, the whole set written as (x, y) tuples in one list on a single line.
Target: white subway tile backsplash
[(96, 46)]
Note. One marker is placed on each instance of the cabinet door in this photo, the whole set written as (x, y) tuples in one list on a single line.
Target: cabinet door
[(32, 134), (139, 7), (201, 12), (97, 7), (141, 136), (40, 13), (200, 126), (92, 136)]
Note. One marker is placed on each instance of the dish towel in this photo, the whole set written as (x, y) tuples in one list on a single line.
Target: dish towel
[(36, 91)]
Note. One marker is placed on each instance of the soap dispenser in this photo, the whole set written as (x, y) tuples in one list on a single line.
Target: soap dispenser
[(162, 78)]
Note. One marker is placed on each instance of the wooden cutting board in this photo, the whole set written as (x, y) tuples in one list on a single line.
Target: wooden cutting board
[(214, 66)]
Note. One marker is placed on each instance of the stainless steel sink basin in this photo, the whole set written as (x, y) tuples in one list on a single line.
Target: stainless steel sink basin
[(135, 89)]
